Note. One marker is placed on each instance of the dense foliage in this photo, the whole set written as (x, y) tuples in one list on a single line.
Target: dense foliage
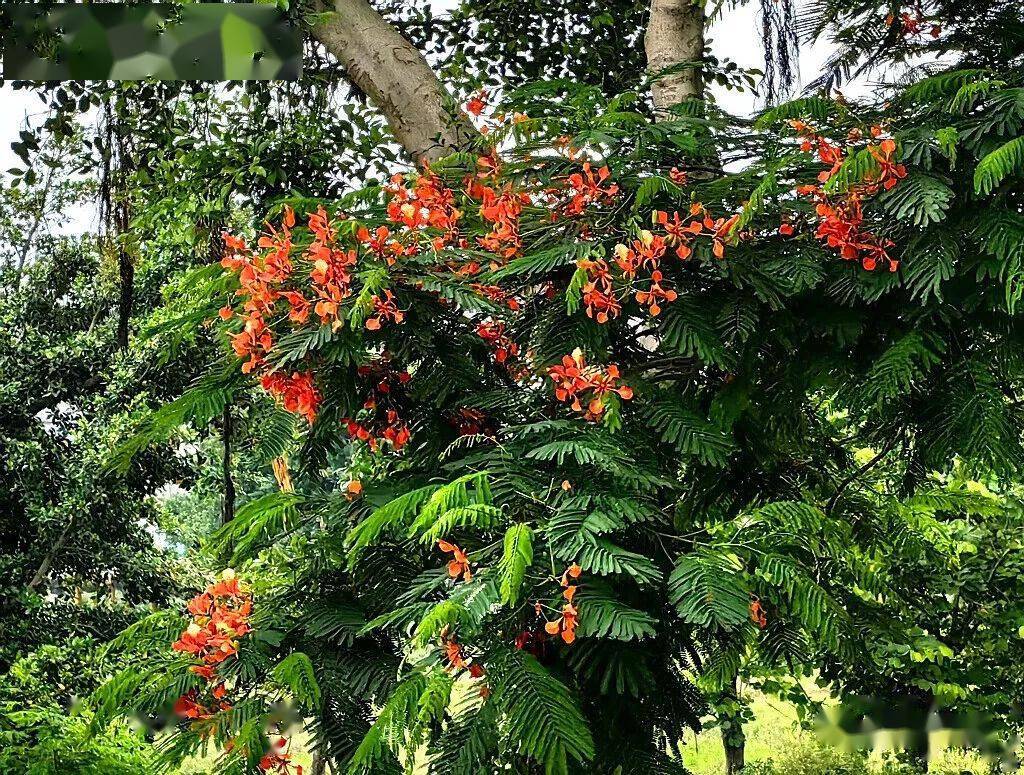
[(542, 452)]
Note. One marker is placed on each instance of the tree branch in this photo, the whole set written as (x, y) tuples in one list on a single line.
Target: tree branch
[(396, 77), (862, 470)]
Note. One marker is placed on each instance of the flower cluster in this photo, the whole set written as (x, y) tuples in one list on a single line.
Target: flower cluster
[(575, 382), (587, 188), (220, 616), (298, 392), (566, 624), (840, 216), (493, 332), (379, 420), (473, 422), (916, 25), (644, 254)]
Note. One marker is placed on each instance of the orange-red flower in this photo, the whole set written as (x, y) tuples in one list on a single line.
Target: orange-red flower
[(890, 173), (493, 332), (459, 564), (278, 761), (587, 188), (384, 308), (757, 614), (566, 624), (475, 106)]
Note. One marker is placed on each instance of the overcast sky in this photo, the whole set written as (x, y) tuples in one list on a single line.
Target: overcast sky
[(735, 36)]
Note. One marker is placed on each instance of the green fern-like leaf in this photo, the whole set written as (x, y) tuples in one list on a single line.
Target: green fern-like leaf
[(602, 615), (542, 720), (708, 589), (517, 556), (295, 673), (691, 434), (1006, 160)]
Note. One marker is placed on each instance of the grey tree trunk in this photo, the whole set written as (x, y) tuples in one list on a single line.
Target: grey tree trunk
[(734, 757), (396, 77), (675, 35)]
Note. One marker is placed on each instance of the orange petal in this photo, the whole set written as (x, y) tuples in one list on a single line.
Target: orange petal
[(551, 628)]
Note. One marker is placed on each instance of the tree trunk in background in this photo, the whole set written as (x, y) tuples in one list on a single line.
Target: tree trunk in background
[(44, 567), (228, 511), (675, 34), (734, 755), (126, 272), (30, 236), (396, 77)]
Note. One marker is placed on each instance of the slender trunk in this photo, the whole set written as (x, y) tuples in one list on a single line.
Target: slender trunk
[(44, 566), (675, 36), (397, 79), (228, 512), (734, 755), (23, 255), (126, 297), (733, 738), (319, 765)]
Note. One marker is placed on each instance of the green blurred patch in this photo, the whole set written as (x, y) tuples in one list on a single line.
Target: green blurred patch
[(196, 41)]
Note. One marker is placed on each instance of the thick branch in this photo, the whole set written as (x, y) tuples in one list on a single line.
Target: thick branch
[(397, 79), (675, 35)]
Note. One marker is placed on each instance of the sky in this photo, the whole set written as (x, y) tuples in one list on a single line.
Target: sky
[(736, 36)]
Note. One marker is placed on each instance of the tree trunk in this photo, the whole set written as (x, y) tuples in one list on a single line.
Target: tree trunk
[(126, 297), (734, 755), (228, 512), (396, 77), (30, 236), (44, 567), (675, 35), (319, 764)]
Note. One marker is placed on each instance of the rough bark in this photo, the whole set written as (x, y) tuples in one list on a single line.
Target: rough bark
[(675, 34), (397, 79)]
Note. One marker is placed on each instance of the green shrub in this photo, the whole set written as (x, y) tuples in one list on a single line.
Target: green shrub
[(45, 731), (46, 740)]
